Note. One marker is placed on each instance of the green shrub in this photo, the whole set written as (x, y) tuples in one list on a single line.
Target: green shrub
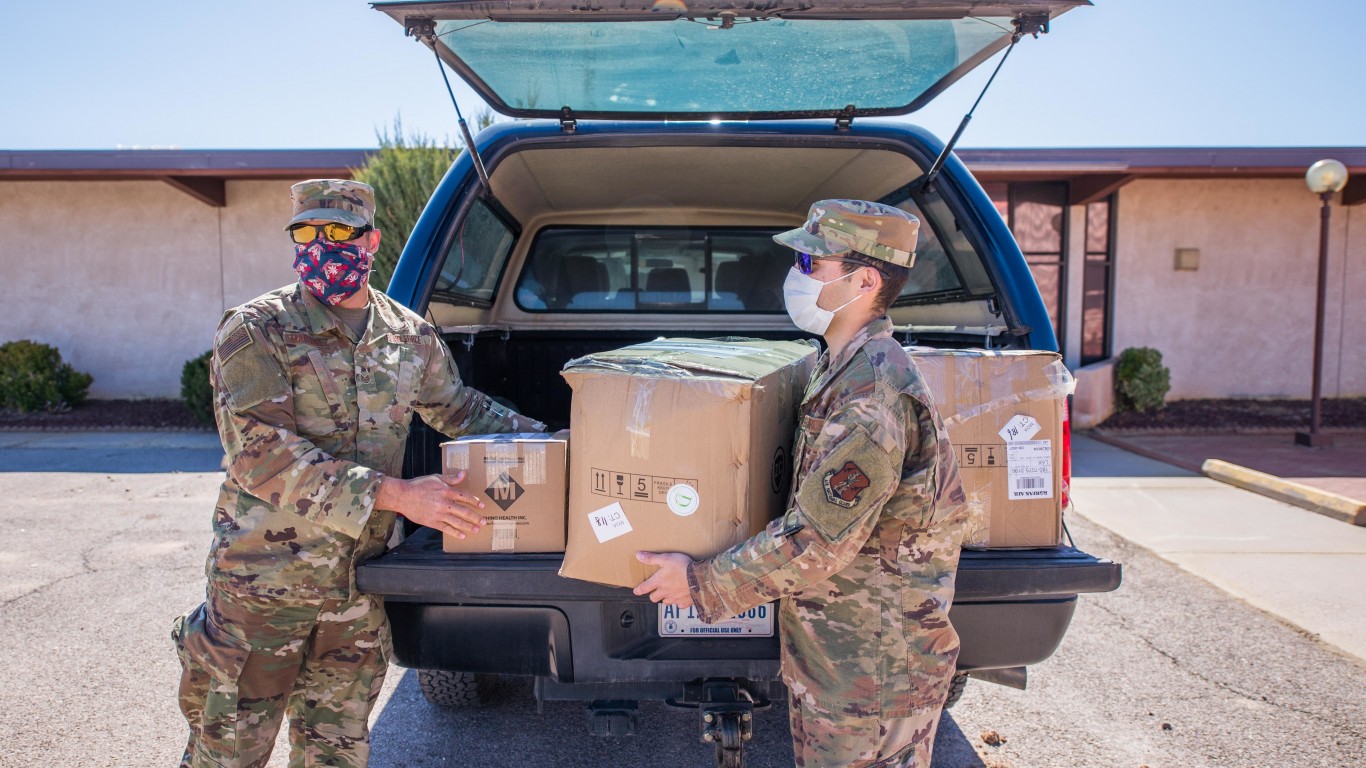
[(195, 388), (34, 378), (404, 173), (1141, 380)]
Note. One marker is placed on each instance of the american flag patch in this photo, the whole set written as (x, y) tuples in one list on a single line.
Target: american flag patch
[(404, 338), (236, 342)]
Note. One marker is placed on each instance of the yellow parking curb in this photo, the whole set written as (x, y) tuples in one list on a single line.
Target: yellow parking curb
[(1299, 494)]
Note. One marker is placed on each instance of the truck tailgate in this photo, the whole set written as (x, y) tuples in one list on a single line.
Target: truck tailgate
[(418, 571)]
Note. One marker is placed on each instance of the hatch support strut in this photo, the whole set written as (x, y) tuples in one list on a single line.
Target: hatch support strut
[(425, 30), (1025, 24)]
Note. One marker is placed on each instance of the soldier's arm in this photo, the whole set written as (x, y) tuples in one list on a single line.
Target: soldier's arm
[(266, 456), (837, 505), (452, 408)]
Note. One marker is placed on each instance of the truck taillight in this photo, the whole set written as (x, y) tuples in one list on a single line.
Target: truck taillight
[(1066, 454)]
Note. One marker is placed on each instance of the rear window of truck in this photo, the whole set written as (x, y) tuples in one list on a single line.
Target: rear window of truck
[(607, 269), (602, 269)]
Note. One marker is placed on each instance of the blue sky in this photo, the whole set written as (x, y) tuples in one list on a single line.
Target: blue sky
[(83, 74)]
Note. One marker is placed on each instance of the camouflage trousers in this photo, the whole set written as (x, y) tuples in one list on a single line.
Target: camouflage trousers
[(822, 741), (248, 661)]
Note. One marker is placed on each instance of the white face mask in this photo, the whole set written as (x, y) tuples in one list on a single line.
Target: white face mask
[(800, 293)]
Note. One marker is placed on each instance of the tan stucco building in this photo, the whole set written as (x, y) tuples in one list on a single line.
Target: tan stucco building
[(125, 260)]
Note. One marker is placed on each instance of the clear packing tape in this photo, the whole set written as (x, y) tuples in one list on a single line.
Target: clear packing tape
[(977, 393), (501, 456), (715, 365), (643, 375), (1060, 384), (638, 416)]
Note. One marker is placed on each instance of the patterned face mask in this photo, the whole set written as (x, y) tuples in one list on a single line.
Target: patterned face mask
[(333, 272)]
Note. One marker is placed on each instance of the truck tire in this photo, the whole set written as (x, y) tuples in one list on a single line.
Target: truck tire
[(956, 688), (455, 689)]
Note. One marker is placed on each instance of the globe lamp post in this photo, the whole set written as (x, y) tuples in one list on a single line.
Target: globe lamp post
[(1325, 179)]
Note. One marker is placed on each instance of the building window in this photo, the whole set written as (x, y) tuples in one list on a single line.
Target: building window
[(1034, 211), (1096, 278)]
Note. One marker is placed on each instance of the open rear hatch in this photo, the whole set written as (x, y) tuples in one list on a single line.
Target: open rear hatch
[(743, 59)]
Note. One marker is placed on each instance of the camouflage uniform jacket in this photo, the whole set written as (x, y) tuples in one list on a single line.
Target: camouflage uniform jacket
[(310, 418), (866, 555)]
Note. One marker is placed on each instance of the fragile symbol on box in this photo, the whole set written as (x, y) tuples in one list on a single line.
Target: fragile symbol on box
[(633, 487), (979, 457)]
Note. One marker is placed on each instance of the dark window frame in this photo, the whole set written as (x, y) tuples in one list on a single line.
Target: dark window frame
[(1060, 316), (1112, 231)]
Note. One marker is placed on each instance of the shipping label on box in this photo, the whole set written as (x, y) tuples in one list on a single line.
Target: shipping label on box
[(1003, 410), (521, 478), (680, 445)]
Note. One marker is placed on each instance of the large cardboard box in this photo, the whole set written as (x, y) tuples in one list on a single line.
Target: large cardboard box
[(521, 479), (1004, 410), (680, 445)]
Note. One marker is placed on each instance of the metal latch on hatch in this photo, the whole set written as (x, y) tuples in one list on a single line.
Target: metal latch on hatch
[(1034, 24), (845, 119)]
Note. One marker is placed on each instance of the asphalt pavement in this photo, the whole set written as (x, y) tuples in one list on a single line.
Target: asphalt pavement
[(102, 543)]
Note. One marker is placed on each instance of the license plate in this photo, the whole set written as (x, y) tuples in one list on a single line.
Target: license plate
[(683, 622)]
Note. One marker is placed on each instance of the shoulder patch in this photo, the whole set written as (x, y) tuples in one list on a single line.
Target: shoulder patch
[(844, 484), (847, 485), (247, 369), (234, 343)]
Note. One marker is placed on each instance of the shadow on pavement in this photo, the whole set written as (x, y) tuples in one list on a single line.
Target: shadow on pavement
[(507, 731), (111, 452), (1093, 458)]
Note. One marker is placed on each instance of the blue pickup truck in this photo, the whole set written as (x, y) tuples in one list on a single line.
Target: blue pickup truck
[(661, 144)]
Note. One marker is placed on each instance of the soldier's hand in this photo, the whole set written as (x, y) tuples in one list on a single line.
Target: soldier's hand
[(433, 501), (669, 584)]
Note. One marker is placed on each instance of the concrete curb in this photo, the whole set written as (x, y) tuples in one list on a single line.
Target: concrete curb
[(1325, 503)]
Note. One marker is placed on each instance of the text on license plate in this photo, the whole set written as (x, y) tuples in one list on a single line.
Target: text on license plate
[(683, 622)]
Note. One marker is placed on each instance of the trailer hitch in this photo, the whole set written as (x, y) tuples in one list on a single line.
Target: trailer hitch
[(727, 721)]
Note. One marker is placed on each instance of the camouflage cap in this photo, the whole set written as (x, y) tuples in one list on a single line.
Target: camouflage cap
[(342, 200), (834, 227)]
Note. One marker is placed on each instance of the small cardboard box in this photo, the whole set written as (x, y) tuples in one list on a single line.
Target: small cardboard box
[(680, 445), (521, 480), (1004, 411)]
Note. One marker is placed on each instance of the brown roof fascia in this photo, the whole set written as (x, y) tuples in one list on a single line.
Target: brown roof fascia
[(226, 163), (1093, 174), (1162, 160), (201, 174)]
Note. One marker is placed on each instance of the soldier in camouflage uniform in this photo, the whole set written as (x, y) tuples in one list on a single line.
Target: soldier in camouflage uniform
[(316, 385), (865, 558)]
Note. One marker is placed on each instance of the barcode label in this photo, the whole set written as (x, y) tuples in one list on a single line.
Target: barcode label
[(1030, 468)]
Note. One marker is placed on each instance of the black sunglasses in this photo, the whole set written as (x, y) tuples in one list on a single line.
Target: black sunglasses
[(805, 266)]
